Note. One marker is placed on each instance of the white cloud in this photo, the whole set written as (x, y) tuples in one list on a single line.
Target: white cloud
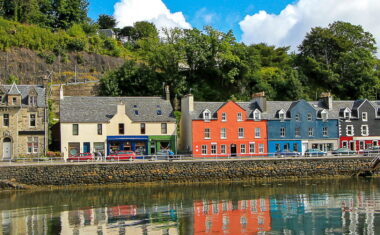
[(205, 16), (128, 12), (290, 26)]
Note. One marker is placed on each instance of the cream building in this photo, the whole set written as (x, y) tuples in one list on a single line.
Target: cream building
[(23, 121), (145, 125)]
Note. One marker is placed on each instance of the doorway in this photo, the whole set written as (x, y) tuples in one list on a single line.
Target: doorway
[(233, 150), (7, 149)]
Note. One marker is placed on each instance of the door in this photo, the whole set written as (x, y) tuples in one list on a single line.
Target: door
[(153, 147), (304, 148), (233, 150), (86, 147), (7, 149)]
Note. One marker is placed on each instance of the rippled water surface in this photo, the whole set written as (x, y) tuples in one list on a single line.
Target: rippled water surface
[(349, 206)]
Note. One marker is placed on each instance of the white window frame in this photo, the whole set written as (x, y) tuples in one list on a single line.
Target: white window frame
[(204, 149), (32, 100), (241, 133), (239, 116), (242, 148), (361, 144), (364, 116), (206, 115), (35, 120), (310, 131), (364, 130), (324, 115), (214, 149), (257, 132), (223, 149), (325, 131), (207, 133), (257, 115), (34, 145), (297, 131), (224, 117), (223, 133), (282, 132), (348, 129), (347, 113), (281, 115), (252, 147), (261, 148)]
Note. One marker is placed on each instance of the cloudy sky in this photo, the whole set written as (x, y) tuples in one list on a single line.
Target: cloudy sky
[(275, 22)]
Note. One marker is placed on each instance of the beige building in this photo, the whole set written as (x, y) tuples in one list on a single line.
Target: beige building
[(145, 125), (23, 121)]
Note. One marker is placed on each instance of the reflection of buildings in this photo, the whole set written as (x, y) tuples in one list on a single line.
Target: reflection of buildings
[(232, 217)]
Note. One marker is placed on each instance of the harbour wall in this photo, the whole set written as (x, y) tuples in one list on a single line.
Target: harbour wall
[(182, 171)]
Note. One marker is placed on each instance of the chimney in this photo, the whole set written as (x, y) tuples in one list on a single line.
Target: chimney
[(61, 92), (167, 92), (327, 100), (121, 108), (261, 100)]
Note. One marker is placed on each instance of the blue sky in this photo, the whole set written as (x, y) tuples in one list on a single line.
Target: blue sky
[(221, 14), (274, 22)]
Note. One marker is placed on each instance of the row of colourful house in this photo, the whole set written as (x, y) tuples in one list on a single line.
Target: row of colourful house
[(147, 125)]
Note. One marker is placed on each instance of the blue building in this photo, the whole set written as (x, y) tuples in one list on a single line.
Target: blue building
[(300, 125)]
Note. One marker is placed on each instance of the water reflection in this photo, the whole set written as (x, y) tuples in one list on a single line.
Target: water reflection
[(305, 207)]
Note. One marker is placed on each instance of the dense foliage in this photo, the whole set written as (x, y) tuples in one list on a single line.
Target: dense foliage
[(339, 58)]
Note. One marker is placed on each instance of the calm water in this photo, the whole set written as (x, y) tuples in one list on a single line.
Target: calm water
[(347, 206)]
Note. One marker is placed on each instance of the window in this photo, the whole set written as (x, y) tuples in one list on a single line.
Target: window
[(121, 129), (223, 149), (257, 115), (14, 100), (204, 149), (324, 115), (251, 147), (286, 147), (1, 99), (361, 145), (350, 130), (224, 117), (33, 100), (100, 129), (136, 112), (32, 144), (261, 148), (142, 128), (75, 129), (281, 115), (347, 114), (32, 120), (158, 111), (295, 147), (213, 149), (6, 119), (223, 134), (239, 117), (298, 131), (241, 133), (364, 129), (257, 132), (325, 131), (282, 132), (242, 148), (297, 117), (364, 116), (164, 128), (344, 144), (309, 117), (311, 132), (206, 115), (207, 133)]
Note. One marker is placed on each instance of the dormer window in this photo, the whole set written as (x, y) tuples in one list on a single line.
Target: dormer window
[(14, 100), (135, 110), (159, 112), (297, 117), (347, 113), (324, 115), (239, 117), (33, 100), (281, 115), (206, 115), (257, 115)]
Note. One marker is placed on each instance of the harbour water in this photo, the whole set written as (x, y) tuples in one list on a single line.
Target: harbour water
[(334, 206)]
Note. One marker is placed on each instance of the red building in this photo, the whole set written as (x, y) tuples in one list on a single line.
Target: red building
[(227, 217), (223, 128)]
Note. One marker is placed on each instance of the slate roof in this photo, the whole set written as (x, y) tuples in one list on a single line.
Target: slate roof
[(24, 91), (83, 109)]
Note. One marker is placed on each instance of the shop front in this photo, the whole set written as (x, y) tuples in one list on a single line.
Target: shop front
[(138, 144), (161, 142), (323, 144)]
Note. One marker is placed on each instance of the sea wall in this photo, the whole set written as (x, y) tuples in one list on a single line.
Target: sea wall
[(184, 171)]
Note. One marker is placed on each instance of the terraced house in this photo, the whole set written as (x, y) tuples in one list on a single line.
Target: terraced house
[(222, 128), (145, 125), (23, 121)]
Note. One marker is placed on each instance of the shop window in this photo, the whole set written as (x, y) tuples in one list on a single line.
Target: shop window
[(278, 147), (142, 128), (295, 147), (99, 147), (121, 129), (127, 146), (74, 148)]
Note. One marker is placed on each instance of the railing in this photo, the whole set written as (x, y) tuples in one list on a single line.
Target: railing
[(167, 158)]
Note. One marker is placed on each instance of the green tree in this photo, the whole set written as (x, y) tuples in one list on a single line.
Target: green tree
[(106, 22), (69, 12), (13, 79)]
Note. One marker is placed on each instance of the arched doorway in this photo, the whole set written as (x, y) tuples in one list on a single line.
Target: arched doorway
[(7, 148)]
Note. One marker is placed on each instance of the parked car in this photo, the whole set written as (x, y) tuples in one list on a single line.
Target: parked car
[(165, 154), (287, 153), (81, 157), (121, 155), (343, 151), (315, 153), (375, 150)]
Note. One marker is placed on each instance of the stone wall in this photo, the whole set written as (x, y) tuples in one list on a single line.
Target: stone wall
[(189, 171)]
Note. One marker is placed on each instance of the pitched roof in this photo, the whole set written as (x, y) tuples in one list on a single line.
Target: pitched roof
[(23, 90), (101, 109)]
